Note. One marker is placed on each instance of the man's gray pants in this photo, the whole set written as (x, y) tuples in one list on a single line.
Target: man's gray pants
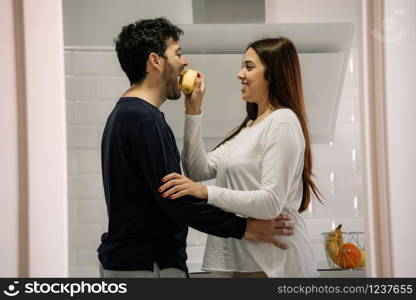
[(156, 273)]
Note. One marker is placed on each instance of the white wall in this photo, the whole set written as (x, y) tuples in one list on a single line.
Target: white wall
[(400, 62), (46, 140), (33, 161), (9, 239), (97, 22), (314, 11)]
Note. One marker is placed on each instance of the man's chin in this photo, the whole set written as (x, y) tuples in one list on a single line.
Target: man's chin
[(175, 96)]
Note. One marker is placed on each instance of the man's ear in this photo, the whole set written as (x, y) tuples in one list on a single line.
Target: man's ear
[(156, 61)]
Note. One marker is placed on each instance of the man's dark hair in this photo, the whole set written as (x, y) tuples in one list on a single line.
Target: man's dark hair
[(137, 40)]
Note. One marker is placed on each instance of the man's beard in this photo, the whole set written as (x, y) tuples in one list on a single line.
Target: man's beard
[(171, 82)]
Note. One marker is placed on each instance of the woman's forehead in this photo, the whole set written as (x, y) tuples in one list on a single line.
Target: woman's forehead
[(251, 55)]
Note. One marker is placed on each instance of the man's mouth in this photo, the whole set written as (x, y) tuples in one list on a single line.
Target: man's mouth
[(180, 76)]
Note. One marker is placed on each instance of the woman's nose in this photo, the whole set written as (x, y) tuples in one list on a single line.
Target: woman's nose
[(240, 75)]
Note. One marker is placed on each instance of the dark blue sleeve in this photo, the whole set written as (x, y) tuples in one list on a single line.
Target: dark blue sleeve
[(158, 158)]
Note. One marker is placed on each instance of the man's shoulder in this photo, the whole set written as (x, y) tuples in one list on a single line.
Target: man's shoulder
[(136, 111)]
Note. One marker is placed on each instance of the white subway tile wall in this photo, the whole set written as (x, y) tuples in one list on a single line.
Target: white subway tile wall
[(94, 81)]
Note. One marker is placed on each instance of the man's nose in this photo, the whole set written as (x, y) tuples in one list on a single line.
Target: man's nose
[(184, 62)]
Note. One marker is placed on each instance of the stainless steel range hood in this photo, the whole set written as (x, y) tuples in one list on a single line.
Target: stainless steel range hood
[(216, 50)]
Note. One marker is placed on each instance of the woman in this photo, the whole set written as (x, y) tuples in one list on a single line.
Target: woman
[(263, 168)]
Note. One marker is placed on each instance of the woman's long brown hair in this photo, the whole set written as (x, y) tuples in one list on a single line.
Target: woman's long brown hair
[(282, 71)]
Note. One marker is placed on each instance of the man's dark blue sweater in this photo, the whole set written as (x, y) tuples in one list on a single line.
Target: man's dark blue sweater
[(138, 148)]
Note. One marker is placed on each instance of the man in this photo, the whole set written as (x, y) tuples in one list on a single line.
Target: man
[(147, 233)]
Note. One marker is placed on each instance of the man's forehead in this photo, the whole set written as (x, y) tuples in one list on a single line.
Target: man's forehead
[(171, 43)]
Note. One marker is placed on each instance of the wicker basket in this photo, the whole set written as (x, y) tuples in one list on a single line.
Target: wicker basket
[(355, 237)]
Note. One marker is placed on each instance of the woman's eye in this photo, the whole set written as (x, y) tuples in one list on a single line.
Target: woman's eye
[(247, 67)]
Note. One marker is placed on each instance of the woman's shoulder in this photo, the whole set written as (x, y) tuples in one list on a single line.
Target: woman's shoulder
[(285, 115), (286, 119)]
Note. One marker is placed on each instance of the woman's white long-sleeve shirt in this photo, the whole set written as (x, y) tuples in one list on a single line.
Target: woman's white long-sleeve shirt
[(258, 174)]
